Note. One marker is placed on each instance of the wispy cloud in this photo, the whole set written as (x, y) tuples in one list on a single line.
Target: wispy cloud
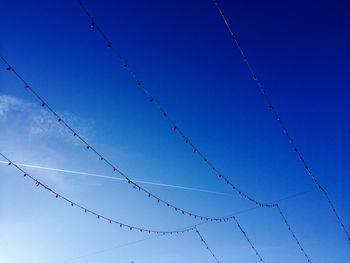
[(29, 133), (37, 122), (7, 104)]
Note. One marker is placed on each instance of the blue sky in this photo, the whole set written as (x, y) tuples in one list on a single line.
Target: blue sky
[(183, 54)]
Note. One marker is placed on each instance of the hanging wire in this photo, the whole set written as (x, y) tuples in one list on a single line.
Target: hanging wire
[(176, 128), (248, 240), (105, 160), (293, 234), (206, 245), (88, 146), (164, 113), (156, 236), (158, 232), (86, 210), (277, 116), (115, 169), (108, 249), (112, 221)]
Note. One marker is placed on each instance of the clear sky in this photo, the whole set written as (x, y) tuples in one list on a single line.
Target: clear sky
[(183, 54)]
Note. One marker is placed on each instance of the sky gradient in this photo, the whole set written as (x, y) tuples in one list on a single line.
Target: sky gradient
[(184, 56)]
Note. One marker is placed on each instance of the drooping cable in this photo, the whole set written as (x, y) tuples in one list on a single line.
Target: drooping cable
[(163, 112), (102, 158), (115, 169), (108, 219), (277, 116), (88, 146), (152, 100), (155, 236), (89, 211)]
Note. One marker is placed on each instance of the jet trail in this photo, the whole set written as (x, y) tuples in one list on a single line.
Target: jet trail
[(119, 178)]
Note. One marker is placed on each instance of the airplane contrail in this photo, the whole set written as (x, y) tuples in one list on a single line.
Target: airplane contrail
[(119, 178)]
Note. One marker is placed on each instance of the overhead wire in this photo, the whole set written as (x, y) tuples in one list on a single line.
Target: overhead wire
[(278, 118), (108, 249), (89, 211), (115, 169), (155, 236), (38, 183), (102, 158), (206, 245), (248, 240), (113, 221), (165, 114)]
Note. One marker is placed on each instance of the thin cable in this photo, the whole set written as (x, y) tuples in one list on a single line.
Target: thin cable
[(155, 103), (114, 168), (206, 245), (155, 236), (86, 210), (152, 100), (248, 240), (110, 220), (277, 116), (108, 249), (88, 146), (293, 234)]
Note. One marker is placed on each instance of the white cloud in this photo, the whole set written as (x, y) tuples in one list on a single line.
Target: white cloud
[(37, 122), (30, 133), (8, 103)]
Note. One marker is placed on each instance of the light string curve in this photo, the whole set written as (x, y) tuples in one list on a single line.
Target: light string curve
[(163, 112), (155, 236), (102, 158), (152, 100), (88, 146), (89, 211), (110, 220), (117, 170), (277, 116)]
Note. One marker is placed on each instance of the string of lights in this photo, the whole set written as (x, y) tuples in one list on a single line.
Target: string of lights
[(88, 146), (293, 234), (110, 220), (105, 160), (154, 102), (89, 211), (164, 113), (136, 186), (156, 236), (248, 240), (277, 116), (206, 245), (114, 168)]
